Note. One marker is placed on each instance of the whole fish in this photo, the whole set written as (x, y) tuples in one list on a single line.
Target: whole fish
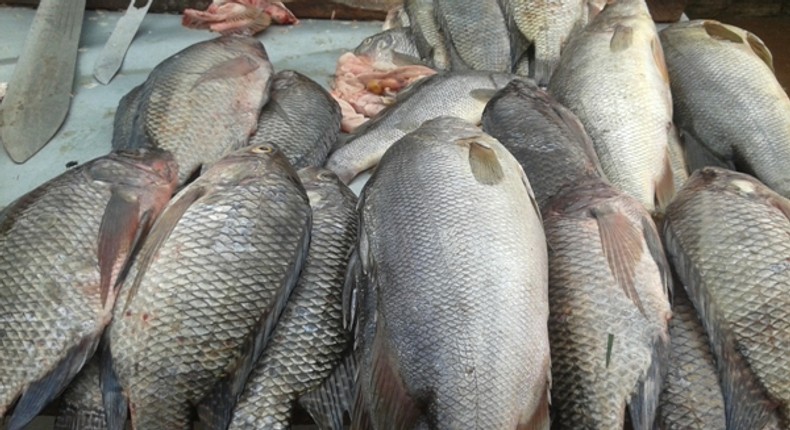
[(613, 77), (428, 37), (392, 46), (199, 303), (608, 325), (751, 135), (545, 137), (62, 247), (125, 116), (452, 307), (546, 25), (203, 102), (309, 339), (461, 94), (283, 121), (726, 235), (692, 398), (475, 34), (81, 405)]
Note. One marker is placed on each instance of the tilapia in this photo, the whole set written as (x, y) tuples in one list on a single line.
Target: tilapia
[(545, 137), (608, 296), (691, 399), (461, 94), (199, 303), (309, 339), (452, 308), (62, 247), (125, 116), (475, 34), (726, 234), (284, 124), (739, 113), (203, 102), (428, 37), (389, 46), (546, 25), (81, 405), (613, 77)]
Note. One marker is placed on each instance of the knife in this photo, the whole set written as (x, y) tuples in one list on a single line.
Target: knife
[(111, 56), (39, 92)]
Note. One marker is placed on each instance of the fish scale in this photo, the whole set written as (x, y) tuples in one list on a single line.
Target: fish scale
[(81, 404), (735, 269), (207, 287)]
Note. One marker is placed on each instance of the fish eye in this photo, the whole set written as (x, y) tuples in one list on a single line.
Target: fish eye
[(263, 149)]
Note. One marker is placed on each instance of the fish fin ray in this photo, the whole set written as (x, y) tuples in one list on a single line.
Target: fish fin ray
[(119, 228), (656, 249), (658, 58), (233, 68), (665, 184), (622, 38), (622, 246), (482, 94), (43, 391), (718, 31), (327, 403), (643, 403), (483, 161), (116, 405), (759, 49)]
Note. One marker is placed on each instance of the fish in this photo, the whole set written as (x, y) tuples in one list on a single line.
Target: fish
[(81, 405), (609, 309), (310, 339), (396, 18), (752, 135), (461, 94), (691, 398), (546, 138), (428, 37), (546, 26), (726, 236), (199, 303), (294, 98), (613, 77), (390, 47), (449, 299), (203, 102), (475, 34), (125, 116), (63, 247)]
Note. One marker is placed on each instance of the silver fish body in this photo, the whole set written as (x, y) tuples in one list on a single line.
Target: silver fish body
[(451, 307), (609, 310), (475, 34), (300, 119), (726, 235), (461, 94), (309, 339), (739, 113), (428, 37)]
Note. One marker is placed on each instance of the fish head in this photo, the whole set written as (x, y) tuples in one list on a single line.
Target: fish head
[(376, 46)]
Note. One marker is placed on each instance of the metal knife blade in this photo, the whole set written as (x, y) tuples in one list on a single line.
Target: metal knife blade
[(113, 53)]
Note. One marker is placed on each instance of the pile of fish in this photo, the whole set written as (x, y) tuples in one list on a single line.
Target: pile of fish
[(601, 244)]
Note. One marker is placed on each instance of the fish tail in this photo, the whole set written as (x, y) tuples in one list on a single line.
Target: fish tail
[(328, 402), (113, 397), (644, 400)]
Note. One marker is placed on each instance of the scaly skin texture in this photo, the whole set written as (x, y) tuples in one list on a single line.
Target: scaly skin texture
[(545, 137), (125, 115), (588, 306), (381, 47), (182, 318), (426, 32), (452, 93), (692, 396), (50, 299), (620, 93), (82, 407), (309, 339), (475, 34), (451, 316), (739, 112), (726, 234), (203, 102), (284, 123)]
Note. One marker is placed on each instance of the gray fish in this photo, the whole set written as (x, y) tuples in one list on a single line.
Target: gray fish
[(309, 339), (393, 46), (62, 247), (692, 398), (428, 37), (608, 325), (461, 94), (199, 303), (739, 113), (81, 405), (301, 119), (613, 77), (475, 34), (125, 116), (452, 308), (203, 102), (726, 235), (545, 137)]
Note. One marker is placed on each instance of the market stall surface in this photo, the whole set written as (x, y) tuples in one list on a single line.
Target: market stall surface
[(311, 47)]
